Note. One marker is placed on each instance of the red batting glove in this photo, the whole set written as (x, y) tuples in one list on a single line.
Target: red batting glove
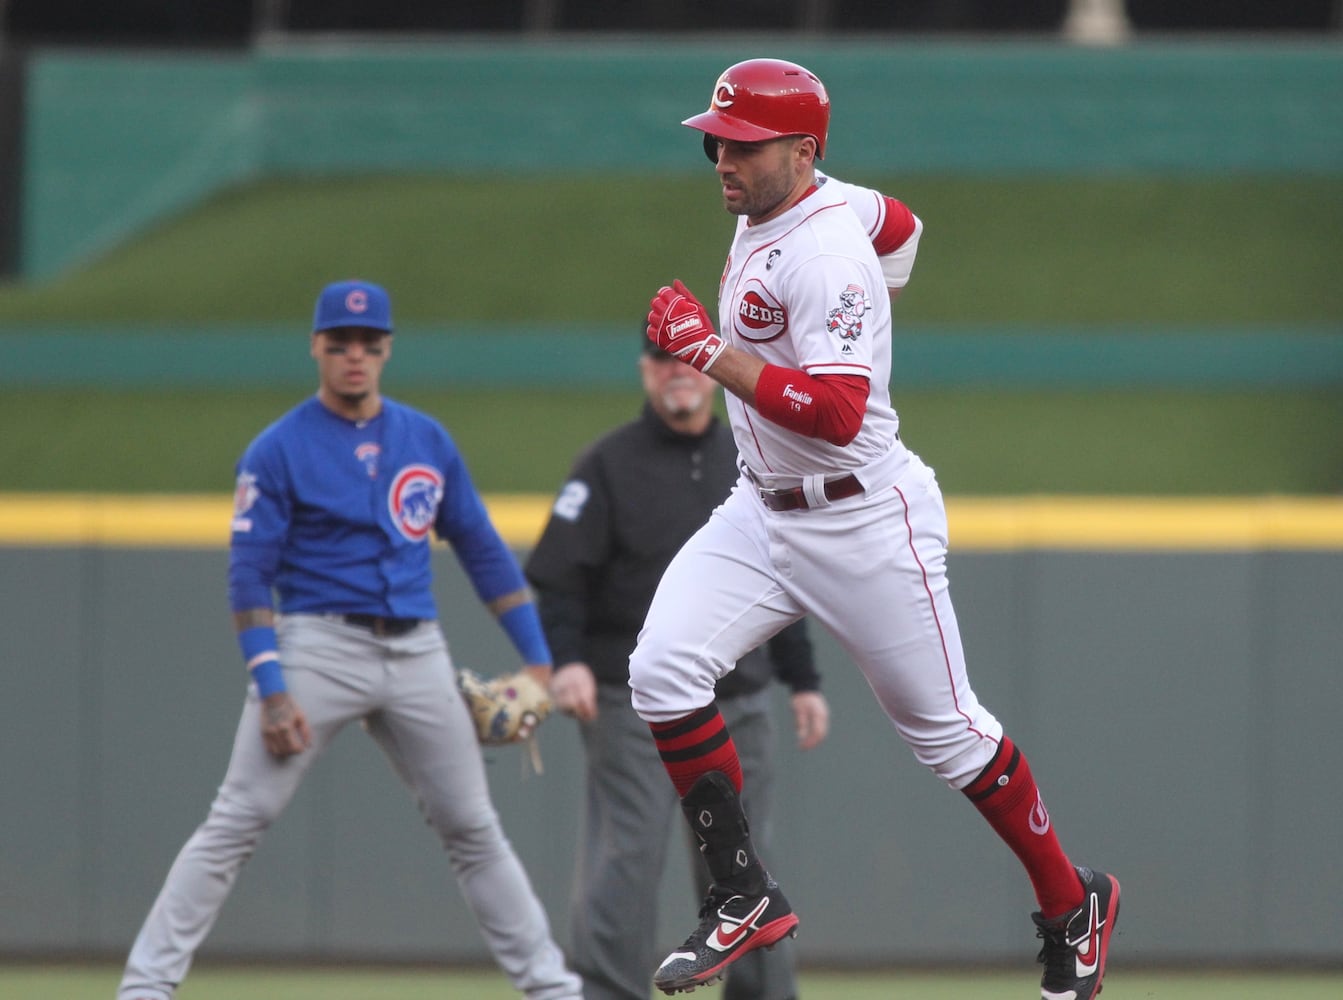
[(678, 324)]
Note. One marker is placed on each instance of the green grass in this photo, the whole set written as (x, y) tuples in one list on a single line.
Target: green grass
[(1022, 252), (394, 983), (1236, 443), (1246, 250), (1126, 250)]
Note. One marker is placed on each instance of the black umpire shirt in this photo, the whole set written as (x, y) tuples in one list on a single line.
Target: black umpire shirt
[(632, 500)]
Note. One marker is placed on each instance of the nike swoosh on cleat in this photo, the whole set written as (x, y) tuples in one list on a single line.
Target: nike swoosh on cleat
[(1088, 947), (724, 936)]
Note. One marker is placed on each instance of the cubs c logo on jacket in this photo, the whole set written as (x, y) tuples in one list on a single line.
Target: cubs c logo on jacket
[(413, 500)]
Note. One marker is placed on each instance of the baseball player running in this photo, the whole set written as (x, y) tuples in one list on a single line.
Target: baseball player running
[(333, 510), (833, 517), (633, 498)]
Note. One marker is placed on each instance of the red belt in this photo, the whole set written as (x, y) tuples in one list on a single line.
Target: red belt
[(795, 499)]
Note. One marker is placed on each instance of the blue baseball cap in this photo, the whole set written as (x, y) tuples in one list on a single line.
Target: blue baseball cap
[(353, 303)]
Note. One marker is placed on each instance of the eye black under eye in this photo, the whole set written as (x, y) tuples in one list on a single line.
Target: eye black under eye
[(339, 340)]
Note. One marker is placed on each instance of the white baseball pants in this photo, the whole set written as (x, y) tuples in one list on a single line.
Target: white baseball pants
[(871, 569)]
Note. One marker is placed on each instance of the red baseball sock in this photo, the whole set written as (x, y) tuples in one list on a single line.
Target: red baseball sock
[(694, 745), (1006, 795)]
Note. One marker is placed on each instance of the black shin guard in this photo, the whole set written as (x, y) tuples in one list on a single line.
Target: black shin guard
[(714, 812)]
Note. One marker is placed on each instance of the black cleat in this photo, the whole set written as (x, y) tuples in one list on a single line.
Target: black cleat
[(1075, 944), (730, 925)]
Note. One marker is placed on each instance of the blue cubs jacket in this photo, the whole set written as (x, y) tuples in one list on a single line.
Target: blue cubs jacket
[(335, 516)]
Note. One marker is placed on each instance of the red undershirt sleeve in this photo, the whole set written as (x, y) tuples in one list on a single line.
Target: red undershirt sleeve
[(897, 226), (829, 407)]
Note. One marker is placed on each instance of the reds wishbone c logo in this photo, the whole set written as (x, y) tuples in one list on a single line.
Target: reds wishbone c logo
[(724, 94), (758, 316), (1039, 818)]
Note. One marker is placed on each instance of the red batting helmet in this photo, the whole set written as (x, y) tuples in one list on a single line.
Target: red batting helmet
[(764, 99)]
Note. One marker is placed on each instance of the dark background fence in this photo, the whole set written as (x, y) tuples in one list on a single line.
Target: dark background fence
[(177, 22)]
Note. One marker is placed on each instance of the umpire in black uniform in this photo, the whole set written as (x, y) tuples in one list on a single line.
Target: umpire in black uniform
[(633, 498)]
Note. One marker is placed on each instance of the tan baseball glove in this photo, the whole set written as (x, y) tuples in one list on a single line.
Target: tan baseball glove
[(505, 709)]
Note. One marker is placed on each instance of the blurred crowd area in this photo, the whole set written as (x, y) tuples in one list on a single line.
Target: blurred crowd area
[(239, 22)]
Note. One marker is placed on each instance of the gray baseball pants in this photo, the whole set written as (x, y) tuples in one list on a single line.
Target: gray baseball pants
[(405, 691)]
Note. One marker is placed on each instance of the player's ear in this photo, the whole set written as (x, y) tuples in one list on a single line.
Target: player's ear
[(807, 150), (312, 345)]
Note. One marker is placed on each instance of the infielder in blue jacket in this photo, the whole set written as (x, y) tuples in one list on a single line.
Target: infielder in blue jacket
[(333, 509)]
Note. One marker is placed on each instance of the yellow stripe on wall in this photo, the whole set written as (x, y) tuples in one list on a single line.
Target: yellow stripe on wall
[(158, 520), (1146, 523), (976, 523)]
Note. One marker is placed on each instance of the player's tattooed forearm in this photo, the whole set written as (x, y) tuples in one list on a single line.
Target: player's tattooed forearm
[(507, 602), (252, 617)]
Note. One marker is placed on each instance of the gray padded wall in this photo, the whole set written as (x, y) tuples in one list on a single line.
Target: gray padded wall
[(1177, 708)]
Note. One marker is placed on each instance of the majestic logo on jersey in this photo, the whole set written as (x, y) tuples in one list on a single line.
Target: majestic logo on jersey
[(413, 500), (759, 316), (774, 255), (368, 453), (847, 319), (245, 495)]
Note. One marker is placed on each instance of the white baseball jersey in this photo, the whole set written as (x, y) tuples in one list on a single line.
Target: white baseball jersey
[(806, 290), (871, 208)]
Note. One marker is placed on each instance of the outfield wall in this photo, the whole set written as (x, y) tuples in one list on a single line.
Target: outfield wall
[(114, 141), (1171, 666), (596, 355)]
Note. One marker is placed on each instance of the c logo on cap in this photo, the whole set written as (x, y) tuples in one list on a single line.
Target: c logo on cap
[(724, 94), (357, 301)]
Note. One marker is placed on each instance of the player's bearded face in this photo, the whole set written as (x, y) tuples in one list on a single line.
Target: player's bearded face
[(758, 177)]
